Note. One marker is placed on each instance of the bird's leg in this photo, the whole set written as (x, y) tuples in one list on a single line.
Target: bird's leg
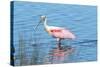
[(59, 43)]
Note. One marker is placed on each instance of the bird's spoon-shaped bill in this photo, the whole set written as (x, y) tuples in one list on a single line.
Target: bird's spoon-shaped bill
[(37, 25)]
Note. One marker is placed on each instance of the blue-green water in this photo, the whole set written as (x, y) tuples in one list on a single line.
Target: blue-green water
[(33, 46)]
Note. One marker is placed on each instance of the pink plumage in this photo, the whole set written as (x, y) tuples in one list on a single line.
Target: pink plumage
[(62, 33)]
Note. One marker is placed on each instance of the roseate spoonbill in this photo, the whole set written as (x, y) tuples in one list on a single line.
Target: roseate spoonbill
[(57, 32)]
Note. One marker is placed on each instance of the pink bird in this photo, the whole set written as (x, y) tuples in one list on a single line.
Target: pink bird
[(57, 32)]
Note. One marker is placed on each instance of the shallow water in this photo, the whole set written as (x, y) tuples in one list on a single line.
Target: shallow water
[(33, 46)]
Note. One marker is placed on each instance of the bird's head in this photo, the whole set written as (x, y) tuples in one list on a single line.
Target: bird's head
[(42, 18)]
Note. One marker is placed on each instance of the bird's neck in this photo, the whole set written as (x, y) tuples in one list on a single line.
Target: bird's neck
[(45, 23)]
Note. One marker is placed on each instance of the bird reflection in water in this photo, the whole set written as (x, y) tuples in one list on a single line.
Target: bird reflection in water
[(59, 55)]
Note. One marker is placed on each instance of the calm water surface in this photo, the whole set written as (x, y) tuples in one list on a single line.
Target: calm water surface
[(36, 46)]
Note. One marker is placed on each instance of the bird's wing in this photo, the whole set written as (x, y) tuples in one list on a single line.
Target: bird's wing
[(60, 32)]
